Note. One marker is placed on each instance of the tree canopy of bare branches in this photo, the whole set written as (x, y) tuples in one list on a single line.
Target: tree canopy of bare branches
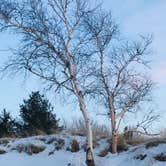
[(122, 83), (54, 46), (75, 48)]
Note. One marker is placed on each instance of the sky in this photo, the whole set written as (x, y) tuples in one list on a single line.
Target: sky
[(134, 17)]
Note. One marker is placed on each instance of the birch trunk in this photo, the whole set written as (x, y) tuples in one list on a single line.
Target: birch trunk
[(113, 125), (89, 152), (114, 133), (114, 141), (78, 92)]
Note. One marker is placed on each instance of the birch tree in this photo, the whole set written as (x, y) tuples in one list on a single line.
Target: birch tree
[(124, 88), (122, 84), (54, 46)]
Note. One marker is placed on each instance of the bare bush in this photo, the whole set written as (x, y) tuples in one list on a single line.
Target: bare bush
[(2, 151), (160, 157), (30, 148), (75, 146)]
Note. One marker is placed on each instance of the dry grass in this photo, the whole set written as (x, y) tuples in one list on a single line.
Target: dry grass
[(78, 128), (30, 149), (122, 146), (136, 141)]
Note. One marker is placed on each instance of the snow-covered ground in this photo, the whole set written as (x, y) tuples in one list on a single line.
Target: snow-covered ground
[(18, 153)]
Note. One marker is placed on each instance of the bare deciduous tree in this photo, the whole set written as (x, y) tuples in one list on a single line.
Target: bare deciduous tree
[(55, 46), (124, 89), (121, 83)]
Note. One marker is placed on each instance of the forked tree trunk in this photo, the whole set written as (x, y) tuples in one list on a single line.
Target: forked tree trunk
[(78, 93)]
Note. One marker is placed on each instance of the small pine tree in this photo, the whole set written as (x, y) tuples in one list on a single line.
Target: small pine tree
[(37, 115), (7, 124)]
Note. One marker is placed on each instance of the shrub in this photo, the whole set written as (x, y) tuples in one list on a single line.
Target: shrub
[(160, 157), (75, 146), (30, 148), (2, 151)]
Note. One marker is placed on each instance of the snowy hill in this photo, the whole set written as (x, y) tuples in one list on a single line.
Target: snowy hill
[(63, 150)]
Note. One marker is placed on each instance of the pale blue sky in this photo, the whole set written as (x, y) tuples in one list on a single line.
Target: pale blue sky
[(134, 17)]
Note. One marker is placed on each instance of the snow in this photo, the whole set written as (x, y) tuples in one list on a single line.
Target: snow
[(63, 157)]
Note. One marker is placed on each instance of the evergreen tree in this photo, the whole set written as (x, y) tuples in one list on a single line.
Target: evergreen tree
[(37, 115), (7, 124)]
